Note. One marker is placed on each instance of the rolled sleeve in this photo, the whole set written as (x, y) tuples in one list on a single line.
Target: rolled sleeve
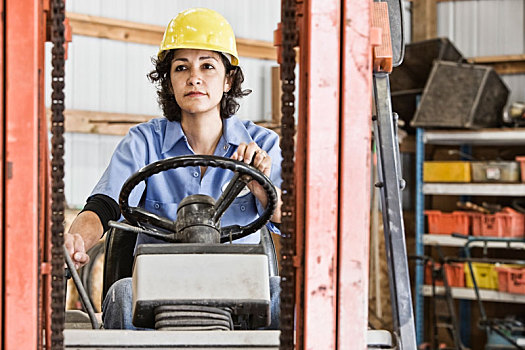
[(129, 156)]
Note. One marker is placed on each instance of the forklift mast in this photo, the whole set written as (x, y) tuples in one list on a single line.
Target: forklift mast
[(330, 187)]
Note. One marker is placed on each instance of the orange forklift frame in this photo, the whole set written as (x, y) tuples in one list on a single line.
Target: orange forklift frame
[(24, 175), (332, 175)]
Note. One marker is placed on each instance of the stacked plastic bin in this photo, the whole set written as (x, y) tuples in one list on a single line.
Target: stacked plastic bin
[(511, 278), (506, 223)]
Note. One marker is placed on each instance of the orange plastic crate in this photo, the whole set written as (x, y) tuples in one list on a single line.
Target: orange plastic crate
[(511, 279), (514, 222), (448, 223), (487, 225), (455, 273), (507, 223)]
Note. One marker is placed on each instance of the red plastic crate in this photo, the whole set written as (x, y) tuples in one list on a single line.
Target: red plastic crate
[(455, 273), (514, 222), (486, 225), (448, 223), (511, 279), (507, 223)]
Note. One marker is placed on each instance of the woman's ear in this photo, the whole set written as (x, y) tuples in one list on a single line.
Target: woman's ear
[(228, 81)]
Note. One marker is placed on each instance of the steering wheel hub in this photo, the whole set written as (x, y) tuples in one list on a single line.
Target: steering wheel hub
[(195, 223)]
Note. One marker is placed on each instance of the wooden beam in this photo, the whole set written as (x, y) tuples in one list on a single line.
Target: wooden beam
[(90, 122), (104, 123), (424, 19), (114, 29), (276, 95), (505, 64)]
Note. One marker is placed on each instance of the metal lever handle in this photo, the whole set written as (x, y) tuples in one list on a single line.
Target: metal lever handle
[(81, 290)]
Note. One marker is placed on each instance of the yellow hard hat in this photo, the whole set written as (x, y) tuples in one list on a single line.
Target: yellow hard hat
[(200, 28)]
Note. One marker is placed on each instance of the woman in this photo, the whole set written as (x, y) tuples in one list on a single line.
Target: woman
[(198, 80)]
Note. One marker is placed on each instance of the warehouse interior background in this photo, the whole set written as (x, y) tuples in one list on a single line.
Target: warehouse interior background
[(107, 91)]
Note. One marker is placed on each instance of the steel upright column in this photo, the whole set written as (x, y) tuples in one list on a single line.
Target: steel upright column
[(2, 173), (354, 191), (24, 44), (317, 167), (333, 171), (420, 229)]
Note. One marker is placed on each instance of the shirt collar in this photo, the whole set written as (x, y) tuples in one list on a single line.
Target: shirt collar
[(172, 135), (234, 133)]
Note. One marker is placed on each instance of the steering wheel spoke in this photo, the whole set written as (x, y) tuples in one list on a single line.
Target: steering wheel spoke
[(144, 216), (235, 186), (229, 233)]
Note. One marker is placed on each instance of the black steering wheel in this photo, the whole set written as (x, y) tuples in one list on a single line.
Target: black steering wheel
[(209, 213)]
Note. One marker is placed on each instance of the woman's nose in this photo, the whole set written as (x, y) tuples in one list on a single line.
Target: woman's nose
[(194, 78)]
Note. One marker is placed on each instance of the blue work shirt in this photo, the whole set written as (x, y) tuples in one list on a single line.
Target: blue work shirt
[(161, 193)]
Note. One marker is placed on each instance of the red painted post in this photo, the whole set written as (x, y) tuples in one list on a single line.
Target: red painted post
[(318, 143), (355, 175), (2, 139), (23, 98)]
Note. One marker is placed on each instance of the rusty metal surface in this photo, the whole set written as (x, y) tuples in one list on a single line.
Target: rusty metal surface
[(318, 144), (2, 142), (57, 175), (382, 53), (355, 176), (288, 191), (44, 246), (22, 47)]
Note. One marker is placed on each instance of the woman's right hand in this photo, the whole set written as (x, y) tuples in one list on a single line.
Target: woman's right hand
[(74, 244)]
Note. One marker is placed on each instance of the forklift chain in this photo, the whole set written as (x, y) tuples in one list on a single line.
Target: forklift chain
[(288, 238), (57, 176)]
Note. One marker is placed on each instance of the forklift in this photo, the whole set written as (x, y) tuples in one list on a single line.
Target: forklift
[(326, 181)]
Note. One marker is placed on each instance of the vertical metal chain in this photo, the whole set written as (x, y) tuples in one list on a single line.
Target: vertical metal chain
[(288, 11), (57, 175)]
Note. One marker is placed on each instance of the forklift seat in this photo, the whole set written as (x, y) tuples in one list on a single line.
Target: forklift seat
[(120, 245)]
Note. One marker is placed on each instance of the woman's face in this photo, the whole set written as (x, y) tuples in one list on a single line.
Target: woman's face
[(198, 81)]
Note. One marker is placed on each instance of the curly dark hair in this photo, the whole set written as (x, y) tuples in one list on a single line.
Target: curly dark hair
[(160, 76)]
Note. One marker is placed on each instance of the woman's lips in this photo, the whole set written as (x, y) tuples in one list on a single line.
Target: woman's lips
[(195, 94)]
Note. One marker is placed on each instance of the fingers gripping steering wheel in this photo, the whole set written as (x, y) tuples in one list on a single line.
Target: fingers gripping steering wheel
[(198, 215)]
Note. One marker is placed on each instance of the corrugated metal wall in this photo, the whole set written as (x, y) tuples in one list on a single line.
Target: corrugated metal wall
[(110, 76), (249, 18), (487, 28), (483, 27)]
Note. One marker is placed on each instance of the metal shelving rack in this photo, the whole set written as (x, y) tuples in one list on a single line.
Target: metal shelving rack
[(469, 294), (494, 137), (449, 241)]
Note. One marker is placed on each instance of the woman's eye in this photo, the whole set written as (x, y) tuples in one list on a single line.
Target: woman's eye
[(208, 66), (180, 68)]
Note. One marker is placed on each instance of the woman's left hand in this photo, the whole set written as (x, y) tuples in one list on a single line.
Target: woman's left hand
[(261, 160)]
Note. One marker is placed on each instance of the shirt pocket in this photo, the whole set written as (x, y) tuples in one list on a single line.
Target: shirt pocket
[(167, 210), (242, 211)]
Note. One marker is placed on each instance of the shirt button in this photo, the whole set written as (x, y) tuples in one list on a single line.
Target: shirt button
[(157, 205), (243, 208), (225, 147), (195, 174)]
